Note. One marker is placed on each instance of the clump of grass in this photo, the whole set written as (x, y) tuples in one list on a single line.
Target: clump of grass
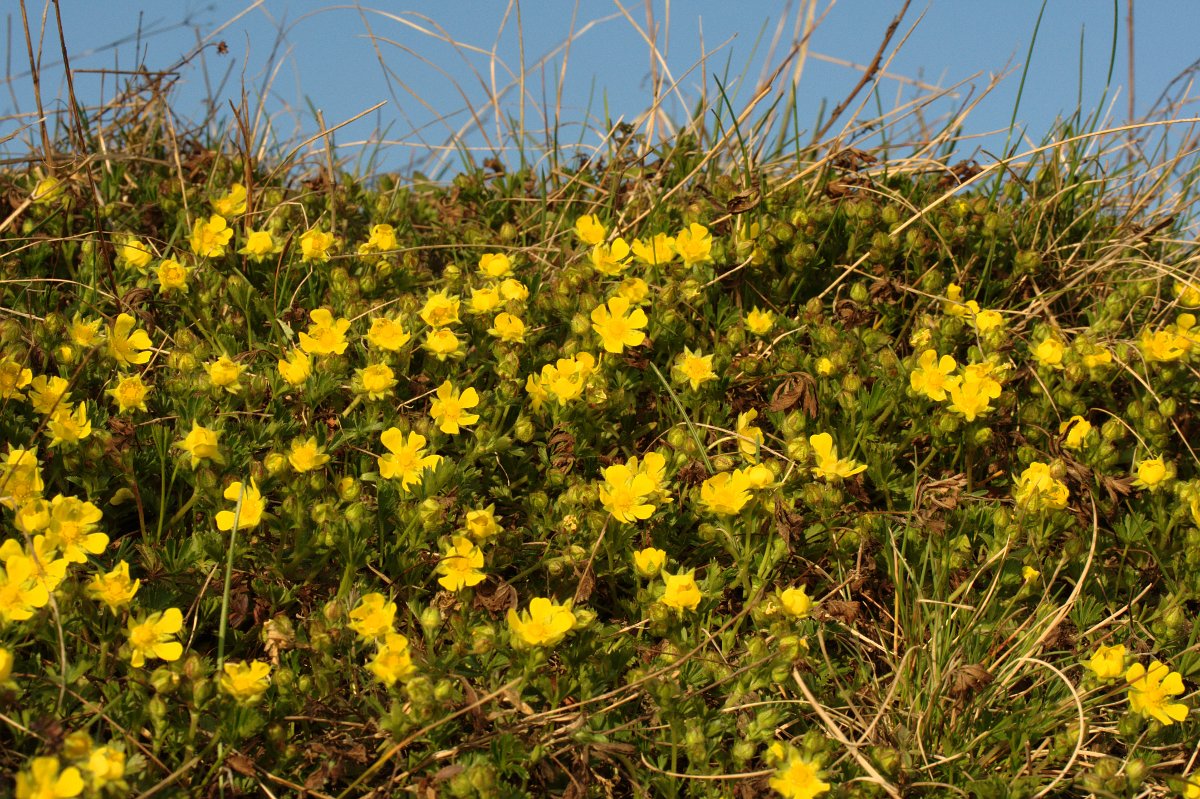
[(699, 467)]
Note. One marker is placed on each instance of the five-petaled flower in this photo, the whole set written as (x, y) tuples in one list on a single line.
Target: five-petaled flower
[(154, 636), (406, 458), (618, 326), (681, 592), (1150, 690), (461, 565), (450, 408), (829, 466), (246, 682), (248, 508), (544, 624)]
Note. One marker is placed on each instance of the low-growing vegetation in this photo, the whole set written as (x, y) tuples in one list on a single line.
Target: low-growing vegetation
[(665, 472)]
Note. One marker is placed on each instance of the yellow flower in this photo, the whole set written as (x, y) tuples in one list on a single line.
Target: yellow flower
[(376, 381), (69, 426), (72, 529), (460, 565), (13, 378), (681, 591), (225, 373), (21, 590), (1049, 352), (392, 661), (750, 438), (798, 777), (373, 616), (1150, 689), (47, 394), (932, 374), (610, 260), (626, 493), (406, 459), (1153, 473), (260, 245), (1107, 662), (20, 477), (658, 250), (495, 265), (507, 327), (485, 300), (209, 238), (693, 368), (449, 409), (83, 333), (442, 343), (6, 665), (246, 682), (589, 230), (134, 253), (232, 203), (296, 368), (306, 455), (114, 588), (326, 336), (563, 380), (1187, 293), (47, 189), (796, 602), (513, 290), (953, 305), (987, 320), (251, 509), (1092, 355), (544, 624), (617, 326), (1163, 346), (106, 764), (172, 276), (152, 637), (694, 244), (829, 467), (125, 345), (726, 493), (1037, 488), (1029, 574), (649, 561), (382, 239), (129, 393), (634, 289), (760, 322), (1076, 430), (43, 780), (201, 445), (387, 334), (315, 246), (440, 309), (482, 524), (1192, 787), (971, 394)]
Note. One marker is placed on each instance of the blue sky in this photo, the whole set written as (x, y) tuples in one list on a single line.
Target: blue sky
[(343, 59)]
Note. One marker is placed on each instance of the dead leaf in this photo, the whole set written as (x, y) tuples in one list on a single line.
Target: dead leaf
[(968, 679), (241, 764), (845, 611), (743, 201), (495, 596)]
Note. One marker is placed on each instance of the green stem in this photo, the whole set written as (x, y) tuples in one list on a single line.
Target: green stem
[(237, 517)]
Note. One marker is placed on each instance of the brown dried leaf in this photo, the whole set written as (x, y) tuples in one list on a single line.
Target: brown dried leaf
[(743, 201), (495, 596), (845, 611), (968, 679), (241, 764)]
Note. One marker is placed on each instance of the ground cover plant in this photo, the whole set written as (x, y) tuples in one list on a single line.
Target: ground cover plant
[(687, 468)]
